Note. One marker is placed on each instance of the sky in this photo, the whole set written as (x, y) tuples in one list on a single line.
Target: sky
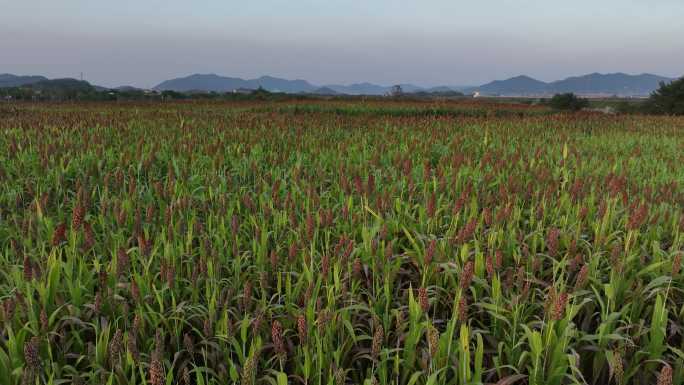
[(424, 42)]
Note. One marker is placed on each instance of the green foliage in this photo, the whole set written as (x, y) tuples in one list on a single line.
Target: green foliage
[(338, 242), (172, 95), (568, 102), (668, 99)]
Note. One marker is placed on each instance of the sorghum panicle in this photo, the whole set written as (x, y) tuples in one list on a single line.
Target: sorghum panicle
[(302, 329), (559, 306), (77, 216), (552, 241), (463, 309), (32, 353), (676, 264), (115, 347), (423, 299), (665, 375), (433, 340), (430, 252), (28, 269), (277, 337), (157, 376), (59, 235), (467, 275), (582, 277), (378, 337)]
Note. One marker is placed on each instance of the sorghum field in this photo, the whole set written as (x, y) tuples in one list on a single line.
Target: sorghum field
[(339, 242)]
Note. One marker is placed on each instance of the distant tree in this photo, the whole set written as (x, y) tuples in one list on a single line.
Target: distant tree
[(172, 95), (568, 102), (396, 91), (668, 99), (261, 94), (630, 107)]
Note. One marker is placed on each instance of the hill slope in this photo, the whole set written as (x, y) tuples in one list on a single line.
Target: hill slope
[(208, 82), (618, 83), (216, 83), (9, 80), (519, 85), (592, 84)]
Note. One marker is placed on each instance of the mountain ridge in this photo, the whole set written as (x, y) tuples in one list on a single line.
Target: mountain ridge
[(597, 84), (522, 85), (617, 83), (10, 80), (216, 83)]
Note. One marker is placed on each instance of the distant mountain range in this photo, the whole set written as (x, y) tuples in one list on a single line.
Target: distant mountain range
[(216, 83), (592, 84), (9, 80), (66, 84), (211, 82)]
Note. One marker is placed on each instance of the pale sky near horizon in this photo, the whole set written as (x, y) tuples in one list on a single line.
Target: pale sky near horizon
[(425, 42)]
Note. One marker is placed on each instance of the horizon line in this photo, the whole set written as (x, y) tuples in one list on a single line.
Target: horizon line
[(327, 84)]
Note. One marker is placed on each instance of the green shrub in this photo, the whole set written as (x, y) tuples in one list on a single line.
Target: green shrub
[(568, 102), (668, 99)]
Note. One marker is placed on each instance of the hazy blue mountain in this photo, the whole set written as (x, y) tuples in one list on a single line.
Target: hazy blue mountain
[(519, 85), (127, 89), (281, 85), (199, 82), (212, 82), (63, 85), (325, 91), (592, 84), (618, 83), (9, 80), (216, 83)]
